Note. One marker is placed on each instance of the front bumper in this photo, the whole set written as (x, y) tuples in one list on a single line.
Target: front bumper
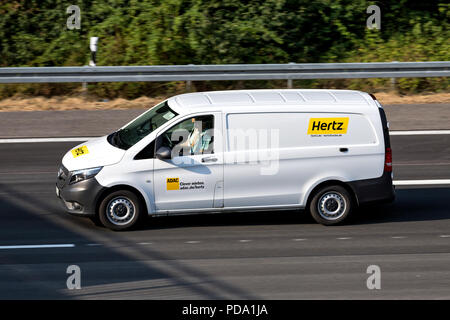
[(79, 198)]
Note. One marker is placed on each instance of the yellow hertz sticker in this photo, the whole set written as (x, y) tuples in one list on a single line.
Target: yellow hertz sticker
[(173, 183), (327, 125), (80, 151)]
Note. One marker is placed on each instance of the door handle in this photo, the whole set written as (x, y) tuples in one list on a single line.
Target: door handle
[(343, 149), (209, 159)]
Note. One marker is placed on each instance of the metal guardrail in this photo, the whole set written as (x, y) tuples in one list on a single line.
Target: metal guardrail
[(288, 71)]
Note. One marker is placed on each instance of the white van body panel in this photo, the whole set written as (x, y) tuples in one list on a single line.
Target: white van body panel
[(135, 174), (100, 153), (248, 178), (301, 161)]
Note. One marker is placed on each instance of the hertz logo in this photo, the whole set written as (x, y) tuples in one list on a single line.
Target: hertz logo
[(173, 183), (327, 125)]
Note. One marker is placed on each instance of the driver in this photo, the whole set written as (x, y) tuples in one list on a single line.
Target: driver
[(199, 139)]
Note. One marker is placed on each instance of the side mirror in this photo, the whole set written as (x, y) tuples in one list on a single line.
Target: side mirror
[(164, 153)]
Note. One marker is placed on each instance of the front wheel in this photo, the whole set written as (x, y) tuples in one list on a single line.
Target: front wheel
[(120, 210), (331, 205)]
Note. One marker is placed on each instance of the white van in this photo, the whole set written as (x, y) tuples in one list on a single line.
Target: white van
[(326, 151)]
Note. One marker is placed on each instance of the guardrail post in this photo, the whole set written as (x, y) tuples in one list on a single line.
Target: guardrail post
[(84, 89), (394, 81), (289, 81), (289, 84), (189, 82)]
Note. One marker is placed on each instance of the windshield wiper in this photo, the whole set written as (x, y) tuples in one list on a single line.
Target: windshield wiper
[(120, 142), (115, 140)]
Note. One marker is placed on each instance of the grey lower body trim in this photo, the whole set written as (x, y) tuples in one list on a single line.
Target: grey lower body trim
[(227, 209), (85, 193), (378, 190)]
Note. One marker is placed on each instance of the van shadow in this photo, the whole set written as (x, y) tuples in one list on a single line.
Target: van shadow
[(228, 219), (41, 273), (418, 204), (411, 204)]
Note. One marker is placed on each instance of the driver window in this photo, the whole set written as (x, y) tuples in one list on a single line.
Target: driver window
[(190, 137)]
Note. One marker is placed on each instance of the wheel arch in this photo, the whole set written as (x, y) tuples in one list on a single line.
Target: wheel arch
[(331, 182), (118, 187)]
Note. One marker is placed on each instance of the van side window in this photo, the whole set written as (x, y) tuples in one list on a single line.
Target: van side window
[(147, 153), (189, 137)]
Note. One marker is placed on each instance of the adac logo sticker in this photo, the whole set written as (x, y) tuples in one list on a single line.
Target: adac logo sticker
[(173, 183), (328, 126), (80, 151), (176, 184)]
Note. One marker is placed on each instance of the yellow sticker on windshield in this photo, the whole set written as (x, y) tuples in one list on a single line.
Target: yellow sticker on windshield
[(80, 151)]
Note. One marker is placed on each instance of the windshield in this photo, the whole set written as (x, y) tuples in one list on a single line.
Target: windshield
[(128, 136)]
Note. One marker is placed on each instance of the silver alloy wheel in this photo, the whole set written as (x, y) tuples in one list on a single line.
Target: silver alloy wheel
[(331, 205), (120, 211)]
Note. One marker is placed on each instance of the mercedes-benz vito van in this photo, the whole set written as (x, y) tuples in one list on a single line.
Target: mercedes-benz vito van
[(326, 151)]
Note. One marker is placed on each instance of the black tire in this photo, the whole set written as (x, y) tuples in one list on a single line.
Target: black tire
[(120, 210), (331, 205)]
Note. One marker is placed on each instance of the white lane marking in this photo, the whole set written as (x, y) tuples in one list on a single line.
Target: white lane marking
[(94, 244), (144, 243), (398, 237), (421, 182), (37, 140), (344, 238), (245, 240), (298, 239), (75, 139), (192, 242), (417, 132), (445, 236), (421, 163), (39, 246)]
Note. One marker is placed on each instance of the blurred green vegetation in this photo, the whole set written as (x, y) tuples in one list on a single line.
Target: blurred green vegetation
[(167, 32)]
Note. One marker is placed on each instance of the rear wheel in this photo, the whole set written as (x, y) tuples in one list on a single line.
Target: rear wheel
[(120, 210), (331, 205)]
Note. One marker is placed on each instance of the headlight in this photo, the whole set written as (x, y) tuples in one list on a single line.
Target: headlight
[(80, 175)]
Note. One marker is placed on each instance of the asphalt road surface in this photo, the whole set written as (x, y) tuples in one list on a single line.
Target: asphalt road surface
[(85, 123), (273, 255)]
